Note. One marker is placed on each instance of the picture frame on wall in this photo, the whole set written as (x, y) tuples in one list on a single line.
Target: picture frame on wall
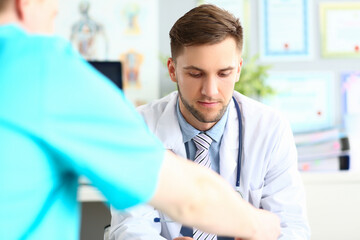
[(285, 30), (340, 29), (305, 98), (350, 89)]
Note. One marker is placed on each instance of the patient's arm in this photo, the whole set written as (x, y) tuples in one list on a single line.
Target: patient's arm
[(195, 196)]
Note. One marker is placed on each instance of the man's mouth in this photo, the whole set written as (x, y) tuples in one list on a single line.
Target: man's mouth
[(208, 103)]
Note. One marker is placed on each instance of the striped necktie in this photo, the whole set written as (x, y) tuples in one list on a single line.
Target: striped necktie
[(202, 142)]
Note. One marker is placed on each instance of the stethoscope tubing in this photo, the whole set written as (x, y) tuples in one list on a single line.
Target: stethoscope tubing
[(237, 185)]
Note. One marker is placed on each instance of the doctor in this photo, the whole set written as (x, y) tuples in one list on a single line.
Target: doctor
[(251, 147)]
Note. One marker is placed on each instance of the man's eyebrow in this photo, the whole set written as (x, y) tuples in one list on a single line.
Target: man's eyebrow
[(228, 68), (191, 67)]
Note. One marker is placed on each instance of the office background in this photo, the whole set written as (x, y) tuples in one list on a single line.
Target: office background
[(332, 196)]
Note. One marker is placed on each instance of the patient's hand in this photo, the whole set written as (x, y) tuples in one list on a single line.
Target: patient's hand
[(183, 238)]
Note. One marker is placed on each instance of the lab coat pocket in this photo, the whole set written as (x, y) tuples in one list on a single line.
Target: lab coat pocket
[(255, 197)]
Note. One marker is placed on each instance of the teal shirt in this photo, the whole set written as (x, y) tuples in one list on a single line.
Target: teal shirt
[(61, 119)]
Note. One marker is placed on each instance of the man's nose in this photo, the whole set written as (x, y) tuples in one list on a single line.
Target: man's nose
[(209, 87)]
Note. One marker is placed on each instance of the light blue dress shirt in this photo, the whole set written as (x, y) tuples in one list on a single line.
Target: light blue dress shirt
[(216, 133)]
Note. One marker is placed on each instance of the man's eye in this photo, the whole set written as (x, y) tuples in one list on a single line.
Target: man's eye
[(195, 75), (224, 74)]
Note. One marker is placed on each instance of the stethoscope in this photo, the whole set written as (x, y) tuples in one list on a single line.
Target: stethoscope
[(237, 183)]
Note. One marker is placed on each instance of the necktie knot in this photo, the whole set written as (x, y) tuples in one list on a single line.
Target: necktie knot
[(202, 141)]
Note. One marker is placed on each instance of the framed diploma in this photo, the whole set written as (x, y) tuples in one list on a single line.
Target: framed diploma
[(305, 98), (350, 85), (340, 29), (351, 93), (285, 32)]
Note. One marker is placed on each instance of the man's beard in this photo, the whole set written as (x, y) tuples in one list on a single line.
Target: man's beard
[(200, 116)]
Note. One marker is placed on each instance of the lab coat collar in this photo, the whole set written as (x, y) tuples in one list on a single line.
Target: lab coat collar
[(168, 123)]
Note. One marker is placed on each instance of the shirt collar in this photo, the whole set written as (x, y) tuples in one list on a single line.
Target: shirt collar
[(11, 28), (190, 132)]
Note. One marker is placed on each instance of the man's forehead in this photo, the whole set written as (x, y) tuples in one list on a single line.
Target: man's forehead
[(187, 62)]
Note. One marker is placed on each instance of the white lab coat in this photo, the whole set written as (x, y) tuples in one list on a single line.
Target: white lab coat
[(269, 176)]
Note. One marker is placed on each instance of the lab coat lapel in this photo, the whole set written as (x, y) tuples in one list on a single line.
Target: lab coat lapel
[(168, 129), (230, 146)]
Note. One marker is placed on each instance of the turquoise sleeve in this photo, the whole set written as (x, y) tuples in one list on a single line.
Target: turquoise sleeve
[(99, 134)]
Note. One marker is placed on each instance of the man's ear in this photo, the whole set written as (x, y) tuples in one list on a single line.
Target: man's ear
[(20, 8), (171, 69), (238, 72)]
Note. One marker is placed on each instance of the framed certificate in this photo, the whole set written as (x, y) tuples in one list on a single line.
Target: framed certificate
[(340, 29), (350, 83), (305, 98), (285, 32)]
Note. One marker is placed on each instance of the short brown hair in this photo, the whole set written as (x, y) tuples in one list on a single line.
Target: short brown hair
[(205, 24), (3, 4)]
